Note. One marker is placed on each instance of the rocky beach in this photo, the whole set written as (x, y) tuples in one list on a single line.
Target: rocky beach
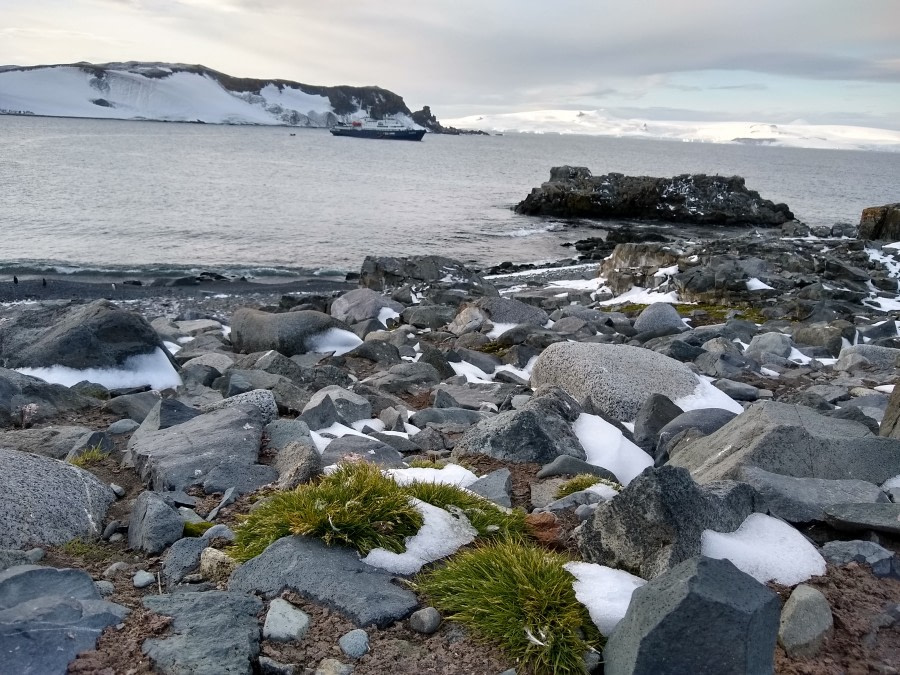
[(675, 451)]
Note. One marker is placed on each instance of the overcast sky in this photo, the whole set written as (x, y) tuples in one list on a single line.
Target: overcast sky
[(824, 61)]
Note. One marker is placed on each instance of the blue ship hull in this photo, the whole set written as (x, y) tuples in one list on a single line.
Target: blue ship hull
[(386, 134)]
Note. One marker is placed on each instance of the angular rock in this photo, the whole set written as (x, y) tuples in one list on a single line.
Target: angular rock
[(45, 501), (54, 441), (739, 391), (380, 273), (539, 432), (350, 406), (864, 517), (297, 463), (882, 561), (700, 602), (183, 455), (262, 399), (495, 486), (802, 500), (510, 310), (133, 406), (284, 622), (281, 432), (446, 419), (288, 334), (873, 357), (181, 559), (794, 441), (805, 623), (361, 447), (212, 633), (704, 420), (612, 379), (333, 576), (25, 399), (880, 222), (566, 465), (655, 523), (409, 378), (154, 523), (654, 414), (361, 304)]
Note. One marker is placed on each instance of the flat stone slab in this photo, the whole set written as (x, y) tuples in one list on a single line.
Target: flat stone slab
[(860, 517), (214, 632), (333, 576)]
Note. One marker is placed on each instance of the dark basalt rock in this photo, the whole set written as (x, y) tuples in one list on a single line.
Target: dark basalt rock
[(572, 192)]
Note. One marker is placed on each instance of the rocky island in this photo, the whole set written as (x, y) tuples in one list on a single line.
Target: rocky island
[(315, 481), (573, 192)]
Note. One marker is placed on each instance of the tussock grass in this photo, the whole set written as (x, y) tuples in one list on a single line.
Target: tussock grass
[(90, 456), (85, 549), (196, 529), (490, 520), (582, 482), (356, 506), (519, 596)]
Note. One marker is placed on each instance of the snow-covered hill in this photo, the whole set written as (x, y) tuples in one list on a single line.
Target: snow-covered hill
[(601, 123), (183, 93)]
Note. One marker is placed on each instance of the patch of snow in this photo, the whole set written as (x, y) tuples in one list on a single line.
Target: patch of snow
[(755, 284), (335, 340), (891, 483), (767, 549), (152, 369), (641, 296), (606, 447), (885, 388), (578, 284), (373, 424), (499, 329), (707, 396), (450, 474), (441, 535), (606, 592), (386, 313), (172, 347), (471, 372), (798, 357)]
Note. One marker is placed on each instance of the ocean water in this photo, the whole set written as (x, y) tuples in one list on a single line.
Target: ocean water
[(115, 197)]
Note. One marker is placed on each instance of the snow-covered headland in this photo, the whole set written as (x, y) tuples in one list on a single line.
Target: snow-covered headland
[(184, 93), (797, 134)]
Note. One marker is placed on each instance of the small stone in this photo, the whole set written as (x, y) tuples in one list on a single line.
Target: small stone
[(805, 623), (142, 579), (35, 555), (105, 588), (227, 499), (584, 511), (111, 528), (114, 569), (216, 565), (189, 515), (269, 666), (118, 490), (333, 667), (355, 643), (284, 622), (219, 532), (425, 621), (125, 426), (116, 538)]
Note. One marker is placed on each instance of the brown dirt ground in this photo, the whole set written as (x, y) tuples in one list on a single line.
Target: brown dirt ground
[(857, 646)]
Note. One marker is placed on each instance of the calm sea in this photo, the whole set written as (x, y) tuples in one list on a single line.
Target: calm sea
[(142, 197)]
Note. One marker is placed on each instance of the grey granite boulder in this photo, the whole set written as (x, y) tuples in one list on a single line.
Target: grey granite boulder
[(700, 422), (350, 406), (612, 379), (510, 310), (659, 317), (182, 455), (297, 463), (655, 523), (801, 500), (154, 523), (333, 576), (48, 616), (791, 440), (262, 399), (133, 406), (408, 378), (211, 633), (95, 335), (877, 358), (53, 441), (288, 334), (361, 304), (772, 343), (655, 413), (882, 561), (361, 447), (704, 617), (540, 431), (864, 517), (284, 431), (805, 623), (25, 399), (45, 501)]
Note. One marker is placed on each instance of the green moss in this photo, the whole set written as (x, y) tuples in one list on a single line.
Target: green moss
[(494, 348), (85, 549), (196, 529), (490, 520), (355, 506), (520, 597), (423, 463), (717, 313), (92, 455), (582, 482)]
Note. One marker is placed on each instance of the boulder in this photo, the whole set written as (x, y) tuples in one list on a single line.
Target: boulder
[(791, 440), (154, 523), (408, 378), (880, 222), (380, 273), (350, 406), (95, 335), (211, 633), (864, 517), (133, 406), (870, 356), (610, 379), (288, 334), (182, 455), (297, 463), (361, 447), (25, 399), (655, 523), (362, 304), (54, 442), (47, 502), (659, 317), (882, 561), (539, 431), (890, 423), (573, 192), (182, 558), (802, 500), (805, 623), (510, 310), (48, 616), (653, 415), (705, 616), (330, 575)]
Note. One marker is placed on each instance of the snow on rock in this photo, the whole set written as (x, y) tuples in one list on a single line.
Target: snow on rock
[(641, 296), (335, 340), (606, 592), (441, 535), (152, 369), (755, 284), (767, 549), (451, 474), (606, 447), (707, 396)]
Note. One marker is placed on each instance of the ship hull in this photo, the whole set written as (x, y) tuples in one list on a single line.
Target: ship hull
[(383, 134)]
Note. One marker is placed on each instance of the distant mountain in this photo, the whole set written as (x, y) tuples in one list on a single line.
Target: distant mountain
[(602, 123), (176, 92)]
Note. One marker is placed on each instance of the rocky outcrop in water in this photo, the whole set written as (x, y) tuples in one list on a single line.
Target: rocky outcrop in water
[(880, 222), (573, 192)]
